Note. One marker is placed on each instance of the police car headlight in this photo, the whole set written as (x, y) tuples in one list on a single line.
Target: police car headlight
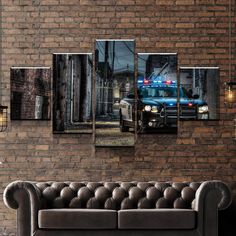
[(154, 109), (203, 109), (147, 108)]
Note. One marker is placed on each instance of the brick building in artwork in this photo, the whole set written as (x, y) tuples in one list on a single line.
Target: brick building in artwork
[(30, 93)]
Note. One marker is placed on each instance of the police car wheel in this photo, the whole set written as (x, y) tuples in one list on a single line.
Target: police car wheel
[(141, 129), (123, 128)]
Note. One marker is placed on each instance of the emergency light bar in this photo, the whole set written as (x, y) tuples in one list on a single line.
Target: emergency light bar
[(148, 82)]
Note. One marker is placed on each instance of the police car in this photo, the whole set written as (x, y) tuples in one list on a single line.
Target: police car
[(157, 106)]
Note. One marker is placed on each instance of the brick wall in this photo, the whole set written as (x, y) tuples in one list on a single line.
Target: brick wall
[(196, 29)]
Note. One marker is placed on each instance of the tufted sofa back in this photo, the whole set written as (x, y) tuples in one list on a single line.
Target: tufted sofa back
[(117, 195)]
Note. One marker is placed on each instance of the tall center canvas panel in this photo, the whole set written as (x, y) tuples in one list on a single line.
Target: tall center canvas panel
[(115, 79)]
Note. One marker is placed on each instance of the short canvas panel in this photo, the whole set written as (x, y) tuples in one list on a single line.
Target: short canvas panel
[(157, 93), (199, 93), (30, 93), (72, 93), (114, 60)]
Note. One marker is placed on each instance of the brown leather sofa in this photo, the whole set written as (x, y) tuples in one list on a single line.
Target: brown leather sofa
[(117, 208), (227, 217)]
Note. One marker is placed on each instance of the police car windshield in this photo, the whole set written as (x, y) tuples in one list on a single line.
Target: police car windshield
[(148, 92)]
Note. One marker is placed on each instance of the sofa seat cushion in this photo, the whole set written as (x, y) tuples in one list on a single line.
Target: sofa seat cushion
[(77, 219), (157, 219)]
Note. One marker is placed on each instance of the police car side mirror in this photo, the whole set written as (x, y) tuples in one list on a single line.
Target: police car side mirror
[(195, 96), (131, 96)]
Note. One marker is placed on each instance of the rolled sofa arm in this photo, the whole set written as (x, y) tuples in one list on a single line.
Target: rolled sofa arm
[(222, 194), (211, 197), (25, 197)]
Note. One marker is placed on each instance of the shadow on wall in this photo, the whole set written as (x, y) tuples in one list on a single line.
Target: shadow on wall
[(227, 217)]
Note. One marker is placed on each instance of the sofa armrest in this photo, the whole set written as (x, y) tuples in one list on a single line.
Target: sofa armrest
[(222, 194), (25, 197), (211, 197)]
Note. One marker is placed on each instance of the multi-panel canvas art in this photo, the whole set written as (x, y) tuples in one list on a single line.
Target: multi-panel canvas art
[(118, 96), (73, 91), (30, 93), (157, 91), (114, 82), (199, 93)]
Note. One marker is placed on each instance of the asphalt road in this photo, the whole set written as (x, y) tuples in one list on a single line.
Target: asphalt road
[(108, 134)]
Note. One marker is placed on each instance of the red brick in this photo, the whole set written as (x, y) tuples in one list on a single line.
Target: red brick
[(185, 45), (165, 2), (184, 25), (185, 2)]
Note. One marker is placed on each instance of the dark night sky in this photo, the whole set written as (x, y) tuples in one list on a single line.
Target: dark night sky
[(124, 53)]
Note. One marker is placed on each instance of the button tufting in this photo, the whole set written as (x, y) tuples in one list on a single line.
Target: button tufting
[(76, 186), (67, 194), (127, 204), (179, 186), (93, 203), (171, 194), (58, 185), (42, 186), (49, 193), (110, 204), (144, 203), (102, 193), (58, 203), (188, 194), (194, 185), (84, 194), (118, 195), (162, 203), (153, 194), (75, 203), (179, 203), (135, 193)]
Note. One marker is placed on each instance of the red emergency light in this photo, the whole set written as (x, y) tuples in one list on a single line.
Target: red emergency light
[(168, 82)]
